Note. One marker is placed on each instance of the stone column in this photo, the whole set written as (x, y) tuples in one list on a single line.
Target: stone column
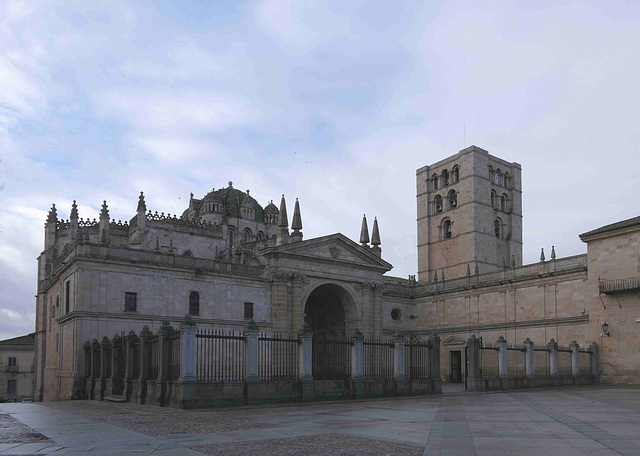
[(501, 345), (305, 368), (186, 386), (474, 379), (130, 339), (104, 346), (528, 358), (434, 362), (575, 358), (595, 362), (553, 357)]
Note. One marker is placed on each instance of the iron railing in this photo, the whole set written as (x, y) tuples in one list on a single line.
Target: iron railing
[(564, 361), (278, 357), (416, 361), (584, 361), (173, 368), (135, 360), (331, 359), (541, 362), (221, 356), (153, 349), (515, 361), (489, 362), (378, 359), (619, 285)]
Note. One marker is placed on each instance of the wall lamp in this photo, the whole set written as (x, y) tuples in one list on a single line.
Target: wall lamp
[(605, 329)]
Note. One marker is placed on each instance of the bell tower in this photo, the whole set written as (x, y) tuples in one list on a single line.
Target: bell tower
[(469, 215)]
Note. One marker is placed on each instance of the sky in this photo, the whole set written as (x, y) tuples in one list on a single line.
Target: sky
[(336, 103)]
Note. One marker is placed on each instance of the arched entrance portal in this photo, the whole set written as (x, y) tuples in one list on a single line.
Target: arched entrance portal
[(329, 312)]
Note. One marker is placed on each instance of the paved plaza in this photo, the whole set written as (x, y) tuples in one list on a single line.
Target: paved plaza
[(571, 421)]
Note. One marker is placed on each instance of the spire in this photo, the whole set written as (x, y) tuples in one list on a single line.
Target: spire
[(283, 220), (296, 222), (553, 252), (375, 234), (542, 255), (142, 206), (53, 214), (74, 211), (104, 213), (468, 270), (364, 231)]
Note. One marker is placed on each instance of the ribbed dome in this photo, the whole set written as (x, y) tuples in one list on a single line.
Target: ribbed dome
[(232, 200)]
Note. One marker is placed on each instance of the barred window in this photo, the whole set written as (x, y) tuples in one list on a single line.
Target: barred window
[(194, 303), (11, 387), (130, 302), (248, 310)]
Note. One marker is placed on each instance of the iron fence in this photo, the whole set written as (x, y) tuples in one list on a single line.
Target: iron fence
[(108, 353), (278, 357), (153, 346), (378, 359), (489, 362), (221, 356), (331, 359), (97, 362), (135, 360), (564, 361), (515, 361), (541, 362), (584, 361), (173, 368), (416, 361)]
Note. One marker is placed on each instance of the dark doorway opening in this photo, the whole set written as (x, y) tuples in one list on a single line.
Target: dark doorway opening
[(455, 366), (324, 312)]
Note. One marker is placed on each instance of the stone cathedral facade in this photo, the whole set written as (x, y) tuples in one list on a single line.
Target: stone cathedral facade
[(227, 261)]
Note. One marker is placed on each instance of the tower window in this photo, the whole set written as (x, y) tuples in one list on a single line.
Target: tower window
[(194, 303), (452, 199), (231, 239), (455, 174), (246, 236), (494, 200), (437, 204), (396, 314), (445, 177), (497, 228), (434, 182), (497, 177), (506, 180), (446, 229), (503, 203)]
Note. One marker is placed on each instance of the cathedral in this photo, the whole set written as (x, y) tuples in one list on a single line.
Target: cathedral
[(227, 261)]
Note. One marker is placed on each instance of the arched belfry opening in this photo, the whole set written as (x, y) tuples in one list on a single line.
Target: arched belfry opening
[(330, 312)]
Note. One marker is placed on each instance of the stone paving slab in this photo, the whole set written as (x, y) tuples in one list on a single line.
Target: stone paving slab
[(566, 422)]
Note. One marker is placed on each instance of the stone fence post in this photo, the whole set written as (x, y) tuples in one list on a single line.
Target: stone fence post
[(434, 363), (112, 383), (528, 358), (474, 379), (357, 357), (501, 345), (104, 346), (306, 362), (595, 362), (130, 339), (188, 353), (553, 357), (398, 359), (141, 387), (95, 367), (164, 334), (251, 340), (575, 358)]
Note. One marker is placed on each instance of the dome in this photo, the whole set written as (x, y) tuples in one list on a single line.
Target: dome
[(232, 199)]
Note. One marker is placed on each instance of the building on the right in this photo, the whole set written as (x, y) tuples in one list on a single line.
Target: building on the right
[(471, 280)]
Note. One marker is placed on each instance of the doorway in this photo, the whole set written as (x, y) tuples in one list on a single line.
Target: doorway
[(455, 366)]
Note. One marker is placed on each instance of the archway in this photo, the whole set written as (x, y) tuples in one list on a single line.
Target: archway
[(329, 312)]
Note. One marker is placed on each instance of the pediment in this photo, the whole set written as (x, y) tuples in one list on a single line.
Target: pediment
[(333, 248), (453, 341)]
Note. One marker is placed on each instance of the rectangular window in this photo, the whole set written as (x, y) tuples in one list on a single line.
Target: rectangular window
[(248, 310), (13, 366), (11, 387), (130, 302), (194, 303), (67, 296)]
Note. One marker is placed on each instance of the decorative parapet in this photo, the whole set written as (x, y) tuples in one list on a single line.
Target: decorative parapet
[(182, 221), (403, 287), (619, 285)]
